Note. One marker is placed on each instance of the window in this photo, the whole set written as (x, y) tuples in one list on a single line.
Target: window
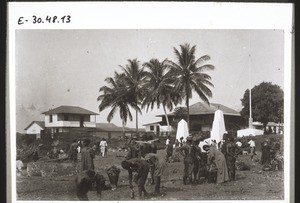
[(50, 119), (151, 127), (66, 117)]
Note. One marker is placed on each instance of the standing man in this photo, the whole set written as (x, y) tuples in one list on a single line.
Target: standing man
[(141, 167), (87, 156), (196, 154), (186, 151), (103, 146), (168, 141), (265, 155), (252, 148), (169, 151), (159, 166), (231, 154), (73, 151)]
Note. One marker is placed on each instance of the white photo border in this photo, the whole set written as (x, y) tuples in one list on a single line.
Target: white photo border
[(135, 15)]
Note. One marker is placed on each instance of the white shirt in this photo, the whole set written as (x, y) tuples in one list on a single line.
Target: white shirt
[(103, 143), (252, 143), (238, 143), (167, 141)]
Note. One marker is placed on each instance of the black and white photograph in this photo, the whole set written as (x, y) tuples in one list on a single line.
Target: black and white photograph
[(149, 114)]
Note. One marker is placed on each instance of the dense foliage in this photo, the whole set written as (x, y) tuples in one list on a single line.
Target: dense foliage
[(267, 103)]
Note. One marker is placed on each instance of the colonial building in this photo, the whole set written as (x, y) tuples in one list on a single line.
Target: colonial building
[(64, 118), (156, 128), (35, 128), (202, 116)]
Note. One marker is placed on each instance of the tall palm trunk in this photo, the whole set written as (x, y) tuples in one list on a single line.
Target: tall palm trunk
[(167, 119), (123, 128), (136, 124), (188, 113), (188, 106)]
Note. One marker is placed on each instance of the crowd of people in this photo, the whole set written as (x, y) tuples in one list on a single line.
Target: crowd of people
[(213, 162)]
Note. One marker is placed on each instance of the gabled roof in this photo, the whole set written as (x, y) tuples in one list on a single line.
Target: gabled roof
[(201, 108), (40, 123), (158, 122), (70, 110)]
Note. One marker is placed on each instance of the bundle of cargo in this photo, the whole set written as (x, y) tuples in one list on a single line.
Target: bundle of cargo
[(113, 175)]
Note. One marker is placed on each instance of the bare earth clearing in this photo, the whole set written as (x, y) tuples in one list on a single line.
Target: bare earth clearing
[(249, 185)]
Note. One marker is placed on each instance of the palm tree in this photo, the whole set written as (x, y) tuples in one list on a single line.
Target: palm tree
[(189, 74), (158, 87), (116, 96), (133, 78)]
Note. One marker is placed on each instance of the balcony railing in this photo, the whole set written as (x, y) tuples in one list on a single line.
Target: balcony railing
[(70, 124)]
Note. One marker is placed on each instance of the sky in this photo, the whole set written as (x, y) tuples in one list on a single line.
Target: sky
[(67, 67)]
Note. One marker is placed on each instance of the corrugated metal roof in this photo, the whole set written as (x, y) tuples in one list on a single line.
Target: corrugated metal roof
[(40, 123), (70, 110), (158, 122), (201, 108)]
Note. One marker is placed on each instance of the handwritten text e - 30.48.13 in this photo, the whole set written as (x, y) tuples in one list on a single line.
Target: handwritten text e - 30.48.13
[(47, 19)]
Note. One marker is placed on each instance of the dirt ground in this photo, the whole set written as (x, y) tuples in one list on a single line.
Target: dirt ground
[(249, 185)]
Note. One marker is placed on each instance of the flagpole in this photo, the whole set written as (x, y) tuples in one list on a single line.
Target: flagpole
[(250, 99)]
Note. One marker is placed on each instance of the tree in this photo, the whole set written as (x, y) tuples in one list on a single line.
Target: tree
[(189, 75), (133, 78), (180, 112), (267, 103), (116, 96), (158, 88)]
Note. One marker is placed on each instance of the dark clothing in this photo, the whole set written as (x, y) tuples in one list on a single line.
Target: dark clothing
[(73, 151), (153, 148), (133, 152), (142, 168), (144, 149), (265, 156), (188, 161), (231, 154), (87, 159), (35, 155), (169, 152), (224, 148), (196, 154), (157, 180)]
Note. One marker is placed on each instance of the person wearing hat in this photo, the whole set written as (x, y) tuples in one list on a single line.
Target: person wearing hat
[(159, 165), (186, 152), (87, 156), (141, 167)]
